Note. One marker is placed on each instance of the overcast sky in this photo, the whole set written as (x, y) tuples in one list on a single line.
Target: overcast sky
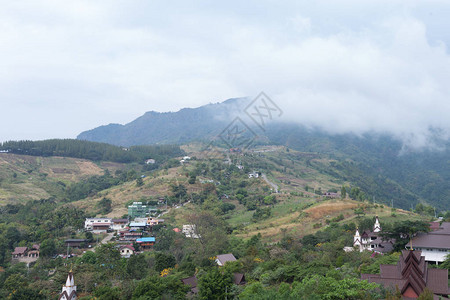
[(70, 66)]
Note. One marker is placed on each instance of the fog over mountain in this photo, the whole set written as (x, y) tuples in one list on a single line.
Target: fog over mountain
[(342, 66)]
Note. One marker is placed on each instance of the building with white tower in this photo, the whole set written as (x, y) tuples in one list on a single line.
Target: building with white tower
[(69, 291), (372, 240)]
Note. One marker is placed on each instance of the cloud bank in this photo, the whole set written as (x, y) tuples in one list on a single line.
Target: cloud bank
[(343, 66)]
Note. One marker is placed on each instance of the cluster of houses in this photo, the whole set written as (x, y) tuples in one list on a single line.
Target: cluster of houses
[(128, 232), (434, 245)]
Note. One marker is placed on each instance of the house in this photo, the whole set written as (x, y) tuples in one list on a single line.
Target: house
[(129, 235), (146, 242), (101, 227), (192, 283), (177, 230), (150, 161), (138, 226), (435, 245), (154, 221), (411, 276), (76, 243), (23, 254), (119, 224), (34, 251), (331, 195), (69, 291), (19, 252), (224, 258), (239, 279), (190, 231), (126, 250), (253, 174), (372, 240), (89, 223)]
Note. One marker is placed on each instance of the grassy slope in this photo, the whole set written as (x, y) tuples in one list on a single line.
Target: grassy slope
[(297, 210), (42, 177), (295, 213)]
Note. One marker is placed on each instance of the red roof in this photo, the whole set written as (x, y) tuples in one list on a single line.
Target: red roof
[(128, 247), (177, 229)]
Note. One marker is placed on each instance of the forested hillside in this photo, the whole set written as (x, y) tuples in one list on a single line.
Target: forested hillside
[(91, 150)]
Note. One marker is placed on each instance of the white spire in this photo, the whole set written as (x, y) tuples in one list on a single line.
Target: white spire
[(357, 238), (377, 226), (69, 291)]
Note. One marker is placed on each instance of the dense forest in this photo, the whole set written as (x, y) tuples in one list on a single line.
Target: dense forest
[(92, 150)]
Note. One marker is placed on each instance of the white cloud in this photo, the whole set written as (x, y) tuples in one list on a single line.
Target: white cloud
[(342, 66)]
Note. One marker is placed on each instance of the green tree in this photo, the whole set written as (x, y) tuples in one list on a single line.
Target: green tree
[(403, 231), (215, 284), (48, 247), (15, 282), (155, 287), (139, 182), (343, 192), (105, 205), (427, 294), (164, 261), (359, 211)]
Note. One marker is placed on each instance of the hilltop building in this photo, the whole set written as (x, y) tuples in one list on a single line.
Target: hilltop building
[(25, 254), (372, 240), (69, 291), (411, 276)]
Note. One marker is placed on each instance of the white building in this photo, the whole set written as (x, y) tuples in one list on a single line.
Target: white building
[(190, 231), (119, 224), (69, 291), (90, 223), (253, 174), (372, 240), (435, 245), (126, 250)]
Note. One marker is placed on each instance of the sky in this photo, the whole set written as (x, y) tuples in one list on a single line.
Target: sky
[(342, 66)]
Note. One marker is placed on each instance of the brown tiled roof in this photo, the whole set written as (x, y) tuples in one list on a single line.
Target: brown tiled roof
[(191, 281), (437, 280), (20, 250), (119, 220), (431, 240), (411, 274)]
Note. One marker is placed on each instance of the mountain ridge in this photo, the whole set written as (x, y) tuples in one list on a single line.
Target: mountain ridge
[(375, 162)]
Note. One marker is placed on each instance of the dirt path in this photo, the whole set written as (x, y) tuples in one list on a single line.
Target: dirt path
[(273, 185)]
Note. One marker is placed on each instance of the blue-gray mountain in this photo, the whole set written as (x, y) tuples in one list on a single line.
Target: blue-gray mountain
[(375, 163)]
